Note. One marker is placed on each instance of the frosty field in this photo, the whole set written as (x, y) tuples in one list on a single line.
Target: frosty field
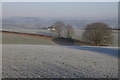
[(38, 57), (54, 61), (52, 40)]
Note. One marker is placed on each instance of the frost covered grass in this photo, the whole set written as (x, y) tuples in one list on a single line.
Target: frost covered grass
[(0, 61), (22, 58), (54, 61)]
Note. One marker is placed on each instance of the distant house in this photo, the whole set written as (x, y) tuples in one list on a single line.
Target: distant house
[(51, 28)]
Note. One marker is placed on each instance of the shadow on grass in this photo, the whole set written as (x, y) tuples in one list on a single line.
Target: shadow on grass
[(66, 41), (109, 51), (74, 44), (63, 41)]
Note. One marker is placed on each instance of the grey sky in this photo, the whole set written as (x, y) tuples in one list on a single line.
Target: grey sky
[(60, 9)]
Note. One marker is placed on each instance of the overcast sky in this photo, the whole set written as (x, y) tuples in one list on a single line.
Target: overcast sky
[(60, 9)]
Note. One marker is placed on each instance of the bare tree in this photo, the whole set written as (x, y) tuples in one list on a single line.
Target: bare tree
[(68, 31), (59, 25), (99, 33)]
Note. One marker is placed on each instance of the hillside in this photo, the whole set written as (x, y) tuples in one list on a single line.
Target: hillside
[(36, 23), (14, 38), (53, 61)]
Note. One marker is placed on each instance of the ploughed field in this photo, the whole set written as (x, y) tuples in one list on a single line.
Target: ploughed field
[(54, 61)]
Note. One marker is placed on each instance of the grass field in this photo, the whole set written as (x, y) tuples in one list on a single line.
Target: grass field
[(0, 38), (48, 60), (20, 39), (54, 61), (23, 39)]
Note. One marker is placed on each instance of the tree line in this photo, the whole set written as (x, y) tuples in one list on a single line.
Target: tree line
[(98, 33), (62, 30)]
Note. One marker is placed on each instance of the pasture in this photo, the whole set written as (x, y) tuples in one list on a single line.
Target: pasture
[(20, 39), (26, 56), (54, 61), (8, 38)]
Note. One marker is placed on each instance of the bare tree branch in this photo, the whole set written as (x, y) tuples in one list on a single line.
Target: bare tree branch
[(99, 33)]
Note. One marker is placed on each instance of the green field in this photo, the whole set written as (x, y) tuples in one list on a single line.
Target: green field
[(0, 38), (115, 39), (23, 39)]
